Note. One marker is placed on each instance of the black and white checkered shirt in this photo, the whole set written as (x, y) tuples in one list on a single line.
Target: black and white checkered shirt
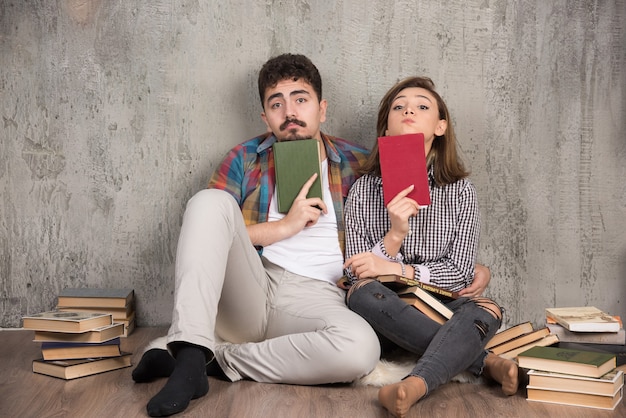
[(443, 238)]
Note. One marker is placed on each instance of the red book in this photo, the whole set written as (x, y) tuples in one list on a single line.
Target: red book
[(403, 163)]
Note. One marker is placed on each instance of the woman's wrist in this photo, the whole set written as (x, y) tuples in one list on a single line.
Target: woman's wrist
[(392, 242)]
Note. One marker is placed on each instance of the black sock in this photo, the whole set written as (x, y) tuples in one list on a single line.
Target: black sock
[(213, 369), (154, 363), (188, 381)]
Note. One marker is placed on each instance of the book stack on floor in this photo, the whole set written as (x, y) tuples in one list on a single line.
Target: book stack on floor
[(119, 303), (572, 377), (511, 341), (76, 344)]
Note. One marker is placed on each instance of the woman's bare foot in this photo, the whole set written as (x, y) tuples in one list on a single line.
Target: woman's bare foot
[(503, 371), (399, 397)]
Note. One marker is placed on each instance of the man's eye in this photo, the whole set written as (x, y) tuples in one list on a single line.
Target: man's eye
[(301, 100), (275, 105)]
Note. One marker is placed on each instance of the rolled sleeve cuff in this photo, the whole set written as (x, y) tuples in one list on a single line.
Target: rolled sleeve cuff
[(424, 273), (380, 251)]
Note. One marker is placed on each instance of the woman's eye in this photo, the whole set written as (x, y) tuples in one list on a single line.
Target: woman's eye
[(423, 107), (397, 107)]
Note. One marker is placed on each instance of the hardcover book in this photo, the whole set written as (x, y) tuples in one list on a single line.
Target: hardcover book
[(576, 399), (66, 321), (561, 360), (412, 292), (615, 338), (520, 341), (424, 308), (584, 319), (605, 385), (618, 350), (295, 162), (116, 313), (96, 335), (73, 369), (95, 298), (510, 333), (402, 164), (546, 341), (398, 283), (53, 350)]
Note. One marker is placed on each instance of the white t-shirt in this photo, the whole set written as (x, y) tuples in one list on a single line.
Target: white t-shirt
[(313, 252)]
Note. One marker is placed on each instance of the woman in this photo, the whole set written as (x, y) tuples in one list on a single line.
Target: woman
[(435, 244)]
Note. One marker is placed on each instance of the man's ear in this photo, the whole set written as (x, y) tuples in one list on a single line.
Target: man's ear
[(265, 121), (323, 107), (442, 125)]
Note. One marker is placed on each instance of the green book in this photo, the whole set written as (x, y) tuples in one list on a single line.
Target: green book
[(567, 361), (295, 162)]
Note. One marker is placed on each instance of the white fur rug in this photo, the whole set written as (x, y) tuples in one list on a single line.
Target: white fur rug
[(389, 370), (397, 366)]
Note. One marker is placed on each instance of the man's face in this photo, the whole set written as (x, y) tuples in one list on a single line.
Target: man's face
[(292, 111)]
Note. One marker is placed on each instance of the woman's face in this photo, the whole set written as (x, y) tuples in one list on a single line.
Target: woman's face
[(414, 110)]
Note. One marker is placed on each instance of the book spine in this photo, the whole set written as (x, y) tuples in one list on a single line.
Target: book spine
[(431, 288), (439, 291)]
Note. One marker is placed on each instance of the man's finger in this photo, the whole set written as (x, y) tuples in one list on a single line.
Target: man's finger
[(305, 188)]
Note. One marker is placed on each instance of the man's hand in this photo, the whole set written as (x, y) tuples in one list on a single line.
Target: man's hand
[(304, 212), (482, 277)]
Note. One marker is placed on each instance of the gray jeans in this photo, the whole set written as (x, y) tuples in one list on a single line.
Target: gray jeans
[(445, 350)]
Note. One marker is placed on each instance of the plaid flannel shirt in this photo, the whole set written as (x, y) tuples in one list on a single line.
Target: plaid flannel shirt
[(247, 173)]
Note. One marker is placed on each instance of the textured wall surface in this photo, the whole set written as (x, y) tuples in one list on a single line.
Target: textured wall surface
[(115, 112)]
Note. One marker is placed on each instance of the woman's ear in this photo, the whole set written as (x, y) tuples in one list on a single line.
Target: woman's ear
[(442, 125)]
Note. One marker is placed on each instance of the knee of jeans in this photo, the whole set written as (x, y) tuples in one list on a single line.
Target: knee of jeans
[(355, 287), (489, 306), (494, 310)]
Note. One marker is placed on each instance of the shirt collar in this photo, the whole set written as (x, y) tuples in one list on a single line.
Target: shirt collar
[(331, 151)]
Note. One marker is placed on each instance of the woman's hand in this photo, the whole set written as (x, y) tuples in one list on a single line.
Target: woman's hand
[(400, 209), (367, 265)]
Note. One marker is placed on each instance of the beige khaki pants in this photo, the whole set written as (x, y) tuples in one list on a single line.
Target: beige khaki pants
[(280, 327)]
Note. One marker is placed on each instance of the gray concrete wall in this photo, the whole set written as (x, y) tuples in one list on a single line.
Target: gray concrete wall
[(114, 112)]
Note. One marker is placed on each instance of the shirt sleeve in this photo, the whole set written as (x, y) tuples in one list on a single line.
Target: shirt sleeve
[(358, 236), (454, 270), (229, 174)]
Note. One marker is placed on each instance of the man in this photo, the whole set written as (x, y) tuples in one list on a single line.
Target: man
[(284, 318)]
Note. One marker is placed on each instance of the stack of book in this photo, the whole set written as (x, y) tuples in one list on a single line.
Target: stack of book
[(119, 303), (511, 341), (572, 377), (588, 325), (76, 344), (426, 297)]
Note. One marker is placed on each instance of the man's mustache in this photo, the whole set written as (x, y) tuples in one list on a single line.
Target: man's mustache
[(283, 126)]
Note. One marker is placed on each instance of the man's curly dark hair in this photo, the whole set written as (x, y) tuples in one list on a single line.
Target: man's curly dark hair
[(289, 67)]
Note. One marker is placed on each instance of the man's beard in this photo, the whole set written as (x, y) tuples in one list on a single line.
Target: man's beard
[(292, 134)]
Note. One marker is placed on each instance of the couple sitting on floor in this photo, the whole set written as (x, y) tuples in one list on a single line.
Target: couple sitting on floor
[(265, 281)]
